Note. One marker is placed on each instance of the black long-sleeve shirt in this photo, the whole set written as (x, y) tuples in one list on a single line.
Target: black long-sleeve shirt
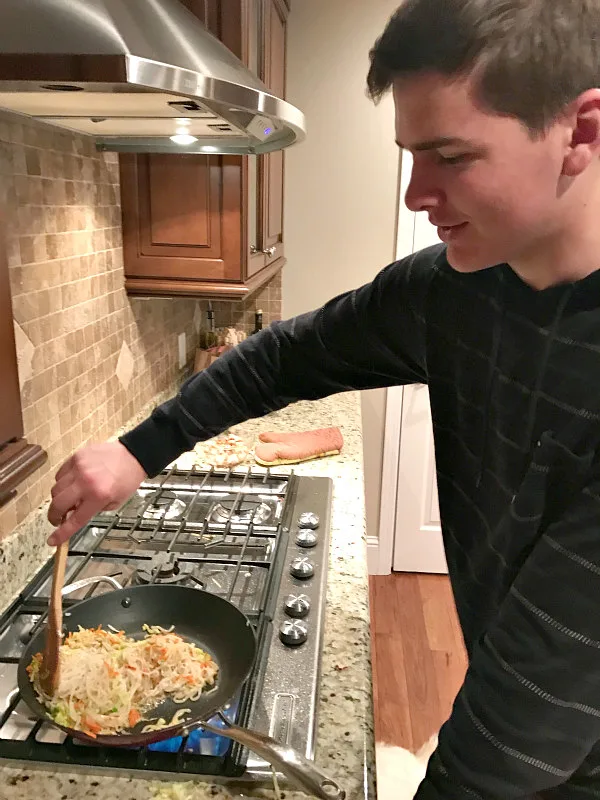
[(514, 382)]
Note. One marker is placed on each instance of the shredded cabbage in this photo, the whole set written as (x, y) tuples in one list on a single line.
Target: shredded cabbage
[(108, 682)]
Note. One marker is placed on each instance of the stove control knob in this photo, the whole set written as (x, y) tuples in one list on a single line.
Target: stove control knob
[(308, 520), (293, 632), (306, 538), (302, 568), (297, 605)]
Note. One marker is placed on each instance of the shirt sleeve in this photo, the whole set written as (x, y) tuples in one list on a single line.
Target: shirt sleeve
[(367, 338), (528, 713)]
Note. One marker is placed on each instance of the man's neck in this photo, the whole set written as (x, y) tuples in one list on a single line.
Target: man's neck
[(554, 272), (569, 256)]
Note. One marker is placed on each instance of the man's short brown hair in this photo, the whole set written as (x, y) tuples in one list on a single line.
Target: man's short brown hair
[(530, 57)]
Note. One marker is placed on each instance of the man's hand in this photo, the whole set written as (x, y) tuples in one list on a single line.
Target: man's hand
[(99, 477)]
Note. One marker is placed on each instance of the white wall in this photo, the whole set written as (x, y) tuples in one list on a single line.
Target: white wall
[(341, 183)]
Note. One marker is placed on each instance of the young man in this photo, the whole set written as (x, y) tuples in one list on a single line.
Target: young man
[(498, 102)]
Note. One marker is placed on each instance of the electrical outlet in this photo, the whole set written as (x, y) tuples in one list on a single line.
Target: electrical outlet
[(182, 344)]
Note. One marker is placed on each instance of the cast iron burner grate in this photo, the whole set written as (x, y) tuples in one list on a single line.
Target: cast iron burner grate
[(164, 568), (247, 513)]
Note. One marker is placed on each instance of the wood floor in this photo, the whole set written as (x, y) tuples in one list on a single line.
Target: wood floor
[(418, 656)]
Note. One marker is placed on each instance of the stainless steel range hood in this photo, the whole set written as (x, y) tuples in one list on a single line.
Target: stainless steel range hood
[(133, 74)]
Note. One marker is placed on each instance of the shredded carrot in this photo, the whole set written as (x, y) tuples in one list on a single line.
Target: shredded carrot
[(134, 716), (111, 670), (91, 725)]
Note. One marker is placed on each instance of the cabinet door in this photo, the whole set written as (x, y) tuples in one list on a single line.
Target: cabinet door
[(274, 48), (181, 213), (179, 217)]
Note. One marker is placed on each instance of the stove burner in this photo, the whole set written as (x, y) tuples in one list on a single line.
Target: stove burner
[(163, 568), (247, 513), (163, 505)]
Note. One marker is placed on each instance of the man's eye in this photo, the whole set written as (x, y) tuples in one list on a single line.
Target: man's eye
[(457, 159)]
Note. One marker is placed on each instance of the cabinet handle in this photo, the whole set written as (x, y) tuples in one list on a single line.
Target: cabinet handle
[(270, 251)]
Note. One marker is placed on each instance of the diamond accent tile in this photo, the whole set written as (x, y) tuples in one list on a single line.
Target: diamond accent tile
[(25, 351), (125, 366)]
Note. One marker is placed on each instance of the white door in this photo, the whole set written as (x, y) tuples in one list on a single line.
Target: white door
[(418, 543)]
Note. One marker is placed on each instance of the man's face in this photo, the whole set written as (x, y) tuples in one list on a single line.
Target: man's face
[(496, 194)]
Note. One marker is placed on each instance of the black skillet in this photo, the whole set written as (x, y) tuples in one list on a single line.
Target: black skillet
[(211, 623)]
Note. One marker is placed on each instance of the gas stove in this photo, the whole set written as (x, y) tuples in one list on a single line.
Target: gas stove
[(256, 538)]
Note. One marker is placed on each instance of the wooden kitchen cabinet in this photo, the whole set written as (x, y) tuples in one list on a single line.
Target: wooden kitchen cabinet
[(211, 226), (18, 458), (11, 422)]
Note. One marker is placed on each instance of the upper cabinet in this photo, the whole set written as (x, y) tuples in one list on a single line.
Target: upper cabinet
[(203, 225)]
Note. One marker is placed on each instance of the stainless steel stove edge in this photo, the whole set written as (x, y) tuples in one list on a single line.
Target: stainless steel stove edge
[(290, 691)]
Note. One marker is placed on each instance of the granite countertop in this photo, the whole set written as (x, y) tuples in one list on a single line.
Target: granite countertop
[(345, 732)]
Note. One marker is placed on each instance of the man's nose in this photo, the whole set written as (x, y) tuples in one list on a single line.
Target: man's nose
[(422, 193)]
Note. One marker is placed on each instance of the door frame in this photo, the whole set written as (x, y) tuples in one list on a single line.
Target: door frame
[(380, 549)]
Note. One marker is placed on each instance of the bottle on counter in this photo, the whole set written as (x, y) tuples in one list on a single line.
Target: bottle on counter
[(208, 336), (258, 321)]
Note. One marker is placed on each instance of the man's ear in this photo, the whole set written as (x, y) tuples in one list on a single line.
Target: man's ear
[(584, 146)]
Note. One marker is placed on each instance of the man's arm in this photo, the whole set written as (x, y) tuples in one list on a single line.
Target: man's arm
[(363, 339), (373, 336), (528, 713)]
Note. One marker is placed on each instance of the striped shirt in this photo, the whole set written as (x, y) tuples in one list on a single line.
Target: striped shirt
[(514, 382)]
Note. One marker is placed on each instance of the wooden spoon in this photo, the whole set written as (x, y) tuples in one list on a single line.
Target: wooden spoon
[(50, 674)]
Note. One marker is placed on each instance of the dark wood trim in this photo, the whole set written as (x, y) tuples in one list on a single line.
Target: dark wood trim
[(232, 200), (200, 8), (155, 287), (11, 421), (161, 287), (17, 461), (259, 279), (18, 458), (53, 67), (231, 28)]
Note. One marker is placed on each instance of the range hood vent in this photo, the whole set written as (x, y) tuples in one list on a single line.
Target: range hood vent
[(138, 76)]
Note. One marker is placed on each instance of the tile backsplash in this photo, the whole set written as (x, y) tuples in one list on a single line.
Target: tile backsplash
[(90, 356)]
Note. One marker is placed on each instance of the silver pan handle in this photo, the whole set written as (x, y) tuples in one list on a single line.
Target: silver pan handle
[(81, 584), (298, 769)]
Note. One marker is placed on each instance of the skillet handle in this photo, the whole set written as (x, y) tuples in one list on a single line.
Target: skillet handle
[(303, 772)]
